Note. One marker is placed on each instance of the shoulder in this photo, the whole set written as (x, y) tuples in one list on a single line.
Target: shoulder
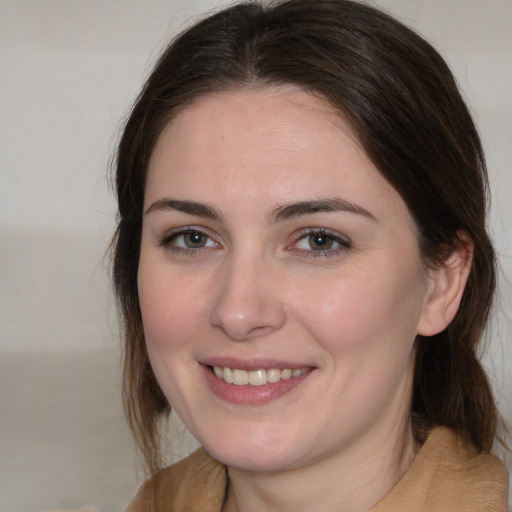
[(196, 483), (449, 475)]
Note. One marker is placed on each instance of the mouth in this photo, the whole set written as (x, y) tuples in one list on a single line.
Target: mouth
[(258, 377), (256, 384)]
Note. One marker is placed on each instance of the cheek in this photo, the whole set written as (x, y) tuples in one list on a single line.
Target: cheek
[(171, 307), (366, 308), (170, 311)]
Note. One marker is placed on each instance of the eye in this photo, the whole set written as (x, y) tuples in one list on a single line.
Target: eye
[(189, 240), (323, 242), (319, 241), (192, 239)]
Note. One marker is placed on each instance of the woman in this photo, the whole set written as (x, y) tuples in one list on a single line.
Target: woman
[(303, 268)]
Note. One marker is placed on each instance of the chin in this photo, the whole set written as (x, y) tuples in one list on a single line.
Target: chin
[(253, 454)]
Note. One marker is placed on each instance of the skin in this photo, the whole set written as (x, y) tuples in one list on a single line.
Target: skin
[(256, 289)]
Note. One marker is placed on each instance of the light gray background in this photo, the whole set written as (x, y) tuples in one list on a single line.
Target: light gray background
[(69, 71)]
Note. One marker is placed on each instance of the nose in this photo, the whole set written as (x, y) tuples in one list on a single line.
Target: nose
[(248, 303)]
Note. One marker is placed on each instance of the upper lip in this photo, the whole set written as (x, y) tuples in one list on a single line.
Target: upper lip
[(252, 364)]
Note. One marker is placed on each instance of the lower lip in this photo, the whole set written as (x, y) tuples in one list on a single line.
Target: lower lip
[(251, 395)]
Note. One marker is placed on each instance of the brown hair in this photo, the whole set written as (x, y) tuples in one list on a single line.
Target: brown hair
[(402, 102)]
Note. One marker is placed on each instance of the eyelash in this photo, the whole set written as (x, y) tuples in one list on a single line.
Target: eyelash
[(170, 238), (343, 243)]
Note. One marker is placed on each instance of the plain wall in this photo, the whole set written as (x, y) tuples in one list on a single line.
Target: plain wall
[(69, 71)]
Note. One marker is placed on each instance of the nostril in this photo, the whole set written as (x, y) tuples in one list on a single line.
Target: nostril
[(246, 307)]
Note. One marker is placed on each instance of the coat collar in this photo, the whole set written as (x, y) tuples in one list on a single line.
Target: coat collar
[(446, 475)]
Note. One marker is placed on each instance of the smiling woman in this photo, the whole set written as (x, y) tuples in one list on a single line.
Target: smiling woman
[(330, 297), (303, 268)]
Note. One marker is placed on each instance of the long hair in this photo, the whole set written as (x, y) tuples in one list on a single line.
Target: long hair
[(402, 102)]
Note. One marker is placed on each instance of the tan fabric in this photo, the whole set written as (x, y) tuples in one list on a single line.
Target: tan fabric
[(81, 510), (195, 484), (445, 476)]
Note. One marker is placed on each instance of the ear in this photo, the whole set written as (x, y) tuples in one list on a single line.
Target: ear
[(445, 288)]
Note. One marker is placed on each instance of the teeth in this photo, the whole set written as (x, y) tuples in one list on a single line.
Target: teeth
[(286, 374), (273, 375), (256, 377), (227, 375), (240, 377)]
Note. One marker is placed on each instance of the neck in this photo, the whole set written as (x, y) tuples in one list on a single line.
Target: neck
[(351, 480)]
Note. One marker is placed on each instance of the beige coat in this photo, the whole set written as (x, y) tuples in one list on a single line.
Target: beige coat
[(445, 476)]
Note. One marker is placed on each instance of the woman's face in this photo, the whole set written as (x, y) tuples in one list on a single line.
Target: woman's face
[(274, 252)]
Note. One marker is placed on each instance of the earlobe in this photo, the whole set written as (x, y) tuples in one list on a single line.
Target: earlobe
[(446, 287)]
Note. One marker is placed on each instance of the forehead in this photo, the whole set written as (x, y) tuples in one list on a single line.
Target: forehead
[(248, 117), (273, 143)]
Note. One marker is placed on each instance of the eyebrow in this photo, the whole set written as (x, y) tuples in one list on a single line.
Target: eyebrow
[(279, 214), (189, 207), (334, 204)]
